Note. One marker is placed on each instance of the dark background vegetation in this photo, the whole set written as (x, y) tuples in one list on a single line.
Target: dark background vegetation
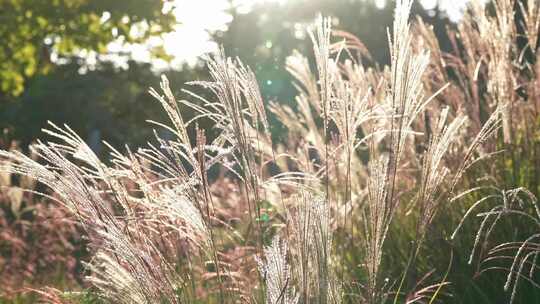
[(113, 101)]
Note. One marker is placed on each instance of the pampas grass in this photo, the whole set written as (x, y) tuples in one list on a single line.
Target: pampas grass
[(365, 147)]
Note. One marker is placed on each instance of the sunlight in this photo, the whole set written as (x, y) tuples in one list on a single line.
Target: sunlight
[(251, 2), (192, 36), (197, 20)]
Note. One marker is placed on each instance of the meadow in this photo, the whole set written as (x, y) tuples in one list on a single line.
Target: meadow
[(413, 182)]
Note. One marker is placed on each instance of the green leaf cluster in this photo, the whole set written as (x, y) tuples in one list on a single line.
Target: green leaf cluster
[(32, 30)]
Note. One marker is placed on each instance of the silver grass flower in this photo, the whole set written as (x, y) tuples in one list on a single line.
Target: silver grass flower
[(312, 254), (277, 274)]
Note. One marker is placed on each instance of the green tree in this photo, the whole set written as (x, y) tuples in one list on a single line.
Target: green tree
[(106, 103), (31, 30)]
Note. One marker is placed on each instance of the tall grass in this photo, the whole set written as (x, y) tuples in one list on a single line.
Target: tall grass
[(308, 219)]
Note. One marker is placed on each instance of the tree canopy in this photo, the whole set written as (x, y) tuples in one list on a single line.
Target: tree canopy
[(32, 30)]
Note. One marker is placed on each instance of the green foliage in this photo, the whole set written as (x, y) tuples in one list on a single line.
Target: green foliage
[(31, 30), (521, 163), (113, 108)]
